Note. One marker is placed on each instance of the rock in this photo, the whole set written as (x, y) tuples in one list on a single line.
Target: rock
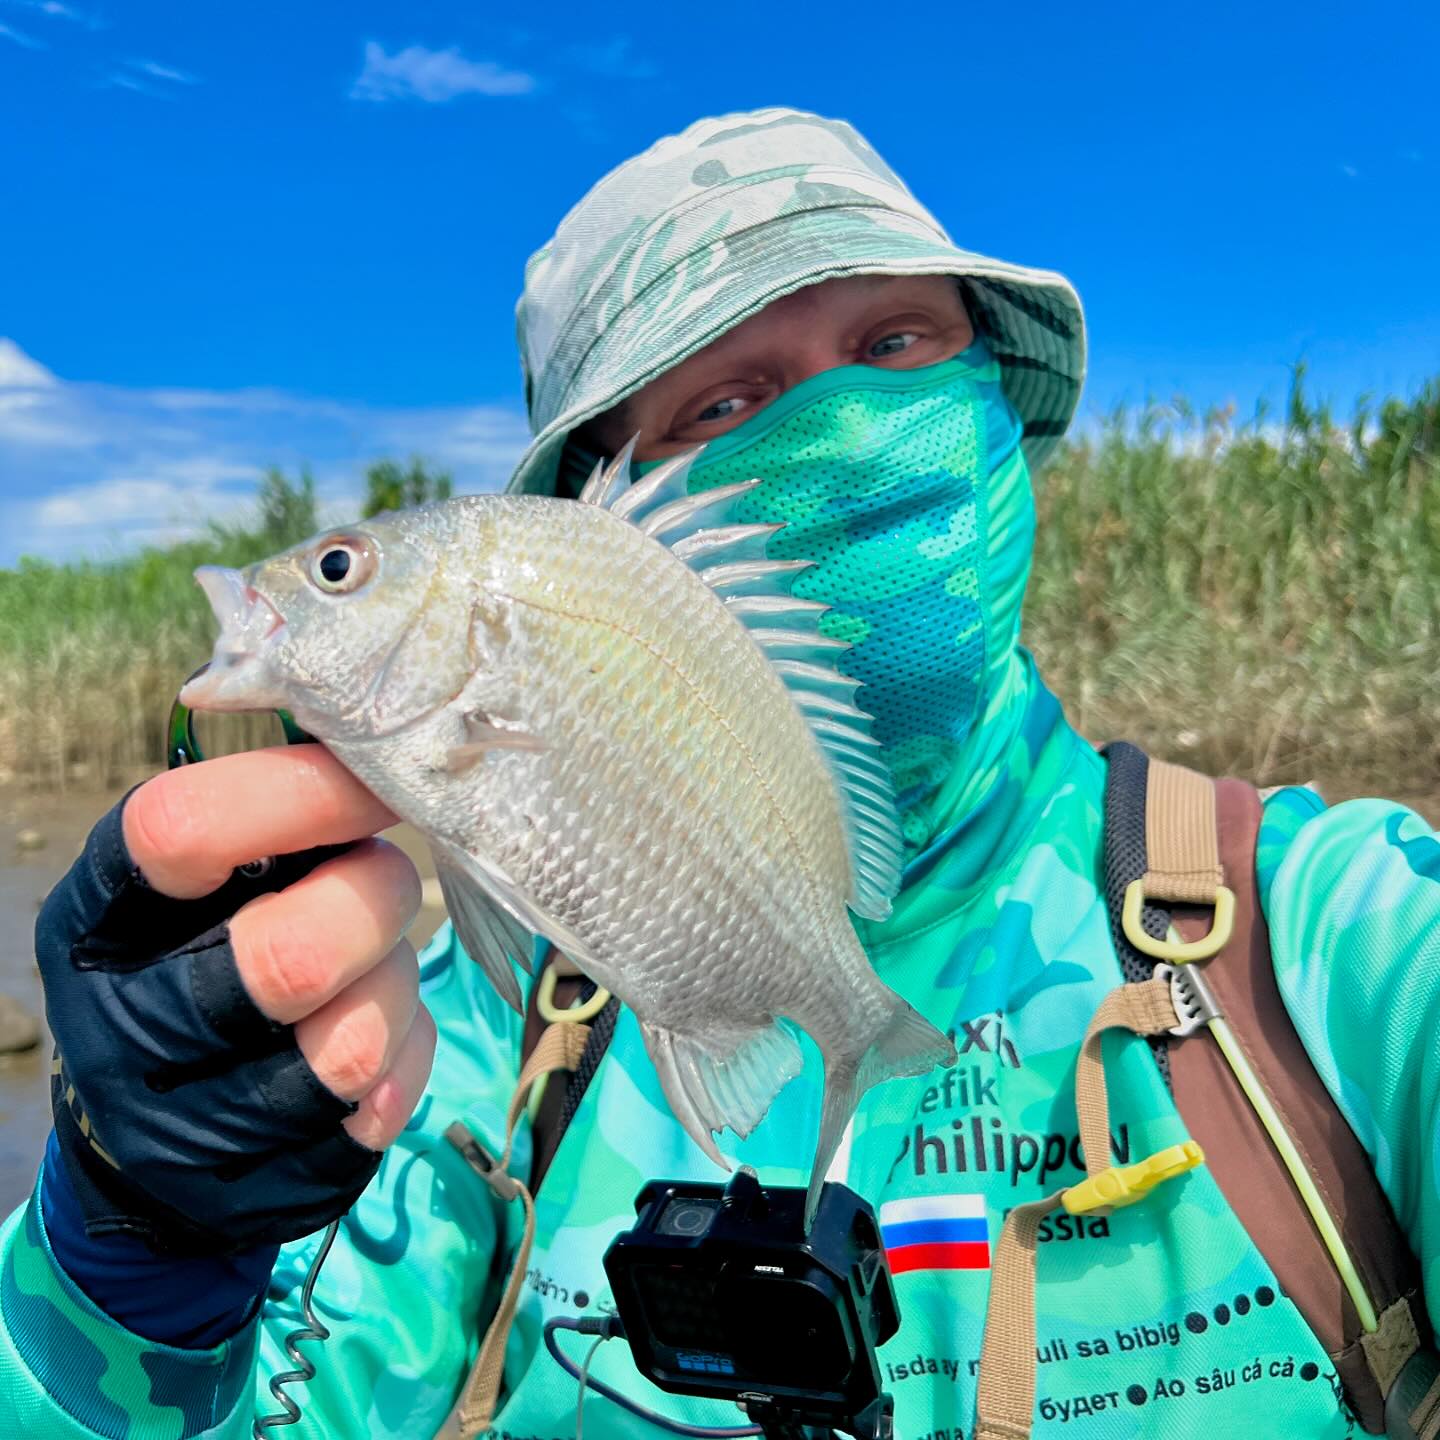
[(19, 1029), (29, 840)]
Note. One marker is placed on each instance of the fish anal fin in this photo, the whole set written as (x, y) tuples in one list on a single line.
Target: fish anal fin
[(722, 1081)]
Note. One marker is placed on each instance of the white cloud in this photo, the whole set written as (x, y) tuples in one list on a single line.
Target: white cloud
[(18, 371), (28, 42), (89, 469), (123, 81), (433, 75), (54, 10), (163, 72), (121, 503)]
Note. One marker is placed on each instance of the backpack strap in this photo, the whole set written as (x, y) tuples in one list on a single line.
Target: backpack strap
[(1283, 1155), (566, 1031)]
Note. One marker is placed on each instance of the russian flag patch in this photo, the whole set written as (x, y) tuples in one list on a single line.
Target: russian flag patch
[(936, 1232)]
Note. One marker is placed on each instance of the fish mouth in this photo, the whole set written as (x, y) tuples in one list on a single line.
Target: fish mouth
[(250, 627)]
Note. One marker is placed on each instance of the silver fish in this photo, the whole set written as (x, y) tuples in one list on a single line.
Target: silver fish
[(619, 730)]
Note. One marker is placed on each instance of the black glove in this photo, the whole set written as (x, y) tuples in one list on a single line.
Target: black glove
[(184, 1115)]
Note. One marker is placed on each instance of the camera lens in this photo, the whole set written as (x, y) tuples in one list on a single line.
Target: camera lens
[(687, 1217)]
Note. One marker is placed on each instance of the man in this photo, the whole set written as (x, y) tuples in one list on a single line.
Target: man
[(763, 284)]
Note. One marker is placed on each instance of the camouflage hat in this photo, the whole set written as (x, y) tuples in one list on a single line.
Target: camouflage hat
[(681, 243)]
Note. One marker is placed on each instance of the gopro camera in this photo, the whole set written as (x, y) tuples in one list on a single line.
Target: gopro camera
[(722, 1293)]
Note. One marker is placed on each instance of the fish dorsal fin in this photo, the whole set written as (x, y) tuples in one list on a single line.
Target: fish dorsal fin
[(707, 532)]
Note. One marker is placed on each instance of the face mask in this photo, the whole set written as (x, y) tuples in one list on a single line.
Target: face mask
[(883, 479)]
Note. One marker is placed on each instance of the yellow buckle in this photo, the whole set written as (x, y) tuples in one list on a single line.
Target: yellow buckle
[(1176, 952), (1123, 1185)]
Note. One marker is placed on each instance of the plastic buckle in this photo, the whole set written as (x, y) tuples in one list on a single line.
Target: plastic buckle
[(1190, 993), (1123, 1185), (481, 1161), (1176, 951)]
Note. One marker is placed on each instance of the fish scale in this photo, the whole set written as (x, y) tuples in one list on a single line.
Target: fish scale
[(605, 748)]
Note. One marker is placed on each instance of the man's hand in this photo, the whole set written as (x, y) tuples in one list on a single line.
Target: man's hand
[(236, 1048)]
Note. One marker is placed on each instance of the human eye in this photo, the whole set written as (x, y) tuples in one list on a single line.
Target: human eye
[(724, 409), (893, 344)]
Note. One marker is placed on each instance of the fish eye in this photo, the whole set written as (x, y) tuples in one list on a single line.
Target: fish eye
[(342, 564)]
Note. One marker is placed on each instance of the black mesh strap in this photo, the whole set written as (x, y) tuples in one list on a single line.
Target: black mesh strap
[(1126, 783), (602, 1031)]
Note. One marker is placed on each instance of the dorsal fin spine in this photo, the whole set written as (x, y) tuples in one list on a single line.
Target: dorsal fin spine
[(811, 638), (724, 537), (666, 481), (667, 517)]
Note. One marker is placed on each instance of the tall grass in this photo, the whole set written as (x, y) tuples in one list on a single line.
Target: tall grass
[(92, 653), (1262, 599)]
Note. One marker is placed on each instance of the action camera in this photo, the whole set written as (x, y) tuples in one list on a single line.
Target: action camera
[(722, 1293)]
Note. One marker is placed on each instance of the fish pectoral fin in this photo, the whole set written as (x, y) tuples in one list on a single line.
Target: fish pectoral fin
[(489, 935), (726, 1080), (483, 736), (495, 920)]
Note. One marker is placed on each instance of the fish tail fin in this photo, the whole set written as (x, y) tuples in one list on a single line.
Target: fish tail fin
[(905, 1044), (842, 1093)]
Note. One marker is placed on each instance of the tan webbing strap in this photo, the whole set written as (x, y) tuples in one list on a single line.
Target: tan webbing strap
[(1388, 1347), (1181, 845), (1005, 1387), (559, 1048), (1145, 1008)]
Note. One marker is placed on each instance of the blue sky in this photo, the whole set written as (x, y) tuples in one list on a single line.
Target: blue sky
[(233, 235)]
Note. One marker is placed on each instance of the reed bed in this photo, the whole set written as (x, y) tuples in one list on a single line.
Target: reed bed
[(1260, 599)]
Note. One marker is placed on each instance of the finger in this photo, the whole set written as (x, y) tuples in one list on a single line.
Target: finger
[(299, 947), (187, 829), (383, 1112), (352, 1040)]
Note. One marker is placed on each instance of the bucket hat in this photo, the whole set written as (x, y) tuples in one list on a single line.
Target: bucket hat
[(681, 243)]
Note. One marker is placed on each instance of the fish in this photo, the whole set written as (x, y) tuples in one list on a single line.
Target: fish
[(618, 729)]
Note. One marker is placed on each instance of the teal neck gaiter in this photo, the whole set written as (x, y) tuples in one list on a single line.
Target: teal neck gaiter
[(908, 492)]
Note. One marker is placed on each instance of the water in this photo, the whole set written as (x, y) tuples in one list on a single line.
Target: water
[(25, 879)]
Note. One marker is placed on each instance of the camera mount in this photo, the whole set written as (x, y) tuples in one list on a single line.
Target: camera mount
[(721, 1292)]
